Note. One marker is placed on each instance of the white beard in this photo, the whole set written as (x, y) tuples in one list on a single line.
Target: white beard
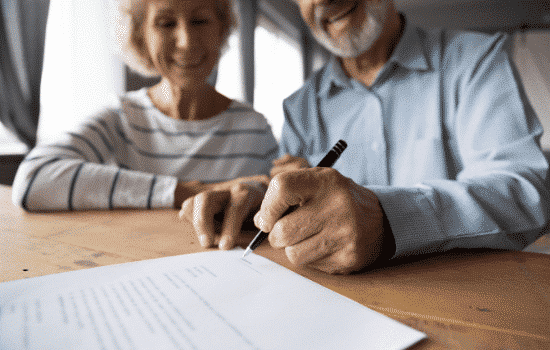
[(355, 41)]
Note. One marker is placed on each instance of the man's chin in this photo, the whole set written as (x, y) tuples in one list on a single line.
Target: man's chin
[(351, 45), (340, 48)]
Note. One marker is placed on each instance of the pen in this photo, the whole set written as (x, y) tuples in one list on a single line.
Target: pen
[(328, 160)]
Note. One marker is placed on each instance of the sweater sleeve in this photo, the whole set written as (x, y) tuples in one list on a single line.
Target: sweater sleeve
[(81, 171)]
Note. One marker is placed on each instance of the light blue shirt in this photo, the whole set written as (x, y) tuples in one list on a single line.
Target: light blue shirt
[(445, 137)]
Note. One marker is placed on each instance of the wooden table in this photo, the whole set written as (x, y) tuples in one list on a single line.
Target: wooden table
[(461, 300)]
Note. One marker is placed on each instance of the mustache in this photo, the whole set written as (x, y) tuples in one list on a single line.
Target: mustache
[(330, 8)]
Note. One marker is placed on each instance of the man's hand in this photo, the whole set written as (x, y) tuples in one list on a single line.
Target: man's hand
[(235, 199), (288, 163), (338, 226)]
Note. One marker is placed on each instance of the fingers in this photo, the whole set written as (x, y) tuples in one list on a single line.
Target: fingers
[(318, 259), (329, 253), (200, 210), (312, 233), (334, 251), (187, 209), (298, 225), (286, 190), (236, 201), (243, 200)]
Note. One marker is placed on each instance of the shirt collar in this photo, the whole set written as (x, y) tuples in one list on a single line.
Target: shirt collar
[(409, 53), (333, 78)]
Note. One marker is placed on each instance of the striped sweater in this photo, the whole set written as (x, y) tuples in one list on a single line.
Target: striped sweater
[(132, 156)]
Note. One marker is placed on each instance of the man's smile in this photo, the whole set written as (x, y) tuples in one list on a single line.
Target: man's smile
[(342, 14)]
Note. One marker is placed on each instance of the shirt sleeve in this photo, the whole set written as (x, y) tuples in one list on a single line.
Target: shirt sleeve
[(499, 198), (292, 142), (271, 149), (81, 171)]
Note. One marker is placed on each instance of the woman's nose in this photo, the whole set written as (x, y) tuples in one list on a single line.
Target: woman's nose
[(184, 36)]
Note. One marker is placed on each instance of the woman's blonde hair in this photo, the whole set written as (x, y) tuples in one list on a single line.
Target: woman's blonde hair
[(129, 32)]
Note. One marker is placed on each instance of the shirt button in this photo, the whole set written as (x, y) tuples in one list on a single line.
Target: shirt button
[(375, 146)]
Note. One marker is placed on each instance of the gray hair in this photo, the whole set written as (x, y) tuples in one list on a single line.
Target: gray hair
[(129, 32)]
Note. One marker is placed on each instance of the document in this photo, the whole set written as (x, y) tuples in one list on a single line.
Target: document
[(209, 300)]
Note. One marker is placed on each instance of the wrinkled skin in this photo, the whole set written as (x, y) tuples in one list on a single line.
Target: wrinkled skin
[(337, 226)]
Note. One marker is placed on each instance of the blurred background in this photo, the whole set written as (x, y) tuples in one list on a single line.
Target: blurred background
[(269, 57)]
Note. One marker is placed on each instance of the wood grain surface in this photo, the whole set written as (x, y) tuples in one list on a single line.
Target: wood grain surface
[(469, 299)]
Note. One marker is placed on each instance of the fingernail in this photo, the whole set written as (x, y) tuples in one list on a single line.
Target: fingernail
[(259, 222), (223, 244), (203, 240)]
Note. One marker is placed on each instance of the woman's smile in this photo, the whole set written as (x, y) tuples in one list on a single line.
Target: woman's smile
[(189, 64)]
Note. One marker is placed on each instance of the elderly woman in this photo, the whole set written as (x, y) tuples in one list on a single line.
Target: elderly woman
[(162, 144)]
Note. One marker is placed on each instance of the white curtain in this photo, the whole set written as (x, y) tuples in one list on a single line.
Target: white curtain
[(82, 72), (532, 57), (22, 25), (279, 71)]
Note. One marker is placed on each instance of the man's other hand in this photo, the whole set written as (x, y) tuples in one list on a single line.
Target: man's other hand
[(288, 163)]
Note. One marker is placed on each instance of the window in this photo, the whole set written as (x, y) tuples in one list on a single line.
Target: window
[(9, 143), (532, 58), (279, 71), (81, 72), (230, 77), (278, 67)]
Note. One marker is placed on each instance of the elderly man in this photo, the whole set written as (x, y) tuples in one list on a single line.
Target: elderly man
[(443, 148)]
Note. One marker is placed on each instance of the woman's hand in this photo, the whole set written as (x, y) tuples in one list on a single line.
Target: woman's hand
[(186, 190), (235, 199)]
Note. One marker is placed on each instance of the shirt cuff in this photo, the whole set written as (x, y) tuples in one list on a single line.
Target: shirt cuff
[(164, 192), (414, 224)]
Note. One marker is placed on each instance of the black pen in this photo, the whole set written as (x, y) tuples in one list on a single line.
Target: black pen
[(328, 161)]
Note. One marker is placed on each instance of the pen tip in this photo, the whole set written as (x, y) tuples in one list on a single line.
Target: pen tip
[(246, 252)]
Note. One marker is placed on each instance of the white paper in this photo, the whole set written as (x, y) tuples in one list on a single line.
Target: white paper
[(211, 300)]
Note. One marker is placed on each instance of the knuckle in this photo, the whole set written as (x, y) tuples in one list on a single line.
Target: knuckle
[(187, 206), (327, 244), (278, 182), (340, 210), (332, 176), (276, 241), (238, 188), (263, 178), (327, 172), (293, 255), (282, 227), (351, 260), (280, 235), (201, 199), (285, 158)]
